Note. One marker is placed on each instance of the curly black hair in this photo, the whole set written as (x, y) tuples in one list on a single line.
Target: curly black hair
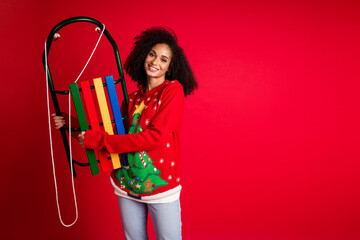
[(179, 68)]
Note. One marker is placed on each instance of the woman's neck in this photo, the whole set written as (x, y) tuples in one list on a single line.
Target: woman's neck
[(153, 83)]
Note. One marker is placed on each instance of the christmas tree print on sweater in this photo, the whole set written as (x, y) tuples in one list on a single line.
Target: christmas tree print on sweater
[(140, 176)]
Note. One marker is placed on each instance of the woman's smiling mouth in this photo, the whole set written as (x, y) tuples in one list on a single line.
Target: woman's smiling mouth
[(153, 69)]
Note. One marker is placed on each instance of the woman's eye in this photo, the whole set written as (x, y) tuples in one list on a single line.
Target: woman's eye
[(164, 60), (151, 54)]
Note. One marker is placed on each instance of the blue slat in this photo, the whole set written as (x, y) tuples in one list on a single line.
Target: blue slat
[(114, 101)]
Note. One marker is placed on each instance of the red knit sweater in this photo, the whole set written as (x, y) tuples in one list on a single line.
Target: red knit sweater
[(160, 121)]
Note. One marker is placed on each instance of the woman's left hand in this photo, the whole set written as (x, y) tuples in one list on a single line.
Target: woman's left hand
[(81, 137)]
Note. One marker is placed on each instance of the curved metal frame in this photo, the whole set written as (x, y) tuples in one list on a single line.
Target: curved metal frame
[(54, 92)]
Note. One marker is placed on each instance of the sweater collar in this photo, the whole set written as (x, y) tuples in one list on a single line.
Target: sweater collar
[(152, 91)]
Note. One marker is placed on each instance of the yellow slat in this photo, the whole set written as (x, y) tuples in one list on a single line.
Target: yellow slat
[(105, 115)]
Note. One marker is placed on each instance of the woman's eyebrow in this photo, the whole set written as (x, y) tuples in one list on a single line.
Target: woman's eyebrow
[(152, 50)]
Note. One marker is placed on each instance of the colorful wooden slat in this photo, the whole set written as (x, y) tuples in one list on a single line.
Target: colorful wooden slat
[(105, 115), (83, 125), (114, 101), (94, 122)]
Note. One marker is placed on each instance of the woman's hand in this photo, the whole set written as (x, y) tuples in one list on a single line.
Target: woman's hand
[(81, 137), (59, 121)]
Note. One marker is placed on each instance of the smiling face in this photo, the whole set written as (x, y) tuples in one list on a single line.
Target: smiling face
[(157, 62)]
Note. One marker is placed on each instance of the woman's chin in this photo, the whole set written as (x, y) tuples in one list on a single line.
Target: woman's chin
[(154, 75)]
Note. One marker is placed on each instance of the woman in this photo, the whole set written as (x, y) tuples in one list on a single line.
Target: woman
[(151, 180)]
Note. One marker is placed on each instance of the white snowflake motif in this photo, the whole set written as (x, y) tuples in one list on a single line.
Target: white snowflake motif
[(135, 93), (161, 160), (178, 179), (172, 164), (146, 107), (147, 121), (138, 100), (138, 186), (126, 167), (155, 169), (168, 145), (148, 99), (159, 102), (155, 108), (156, 93), (155, 99), (170, 177), (130, 100)]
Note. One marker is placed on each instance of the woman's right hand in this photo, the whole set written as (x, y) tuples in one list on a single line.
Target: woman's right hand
[(59, 121)]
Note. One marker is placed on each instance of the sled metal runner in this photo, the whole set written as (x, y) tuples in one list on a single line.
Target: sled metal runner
[(53, 92)]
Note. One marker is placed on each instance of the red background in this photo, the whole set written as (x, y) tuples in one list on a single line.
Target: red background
[(270, 141)]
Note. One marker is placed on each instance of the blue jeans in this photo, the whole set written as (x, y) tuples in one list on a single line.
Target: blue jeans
[(166, 218)]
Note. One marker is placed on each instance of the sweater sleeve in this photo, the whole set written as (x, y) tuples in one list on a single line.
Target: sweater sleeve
[(166, 120)]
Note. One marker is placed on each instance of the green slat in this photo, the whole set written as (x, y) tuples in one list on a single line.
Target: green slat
[(83, 125)]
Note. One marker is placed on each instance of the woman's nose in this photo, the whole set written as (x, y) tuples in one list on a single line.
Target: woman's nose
[(155, 61)]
